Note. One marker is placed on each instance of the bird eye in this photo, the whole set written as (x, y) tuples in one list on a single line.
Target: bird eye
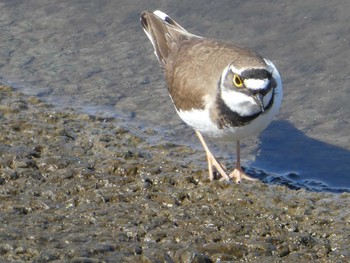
[(237, 81)]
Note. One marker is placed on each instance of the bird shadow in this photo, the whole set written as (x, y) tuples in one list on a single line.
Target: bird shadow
[(288, 157)]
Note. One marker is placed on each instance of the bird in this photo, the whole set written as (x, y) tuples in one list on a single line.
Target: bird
[(222, 90)]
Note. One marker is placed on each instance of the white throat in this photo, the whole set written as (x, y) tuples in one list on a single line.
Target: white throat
[(239, 102)]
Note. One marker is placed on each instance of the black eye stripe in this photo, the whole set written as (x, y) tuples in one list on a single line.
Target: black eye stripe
[(263, 92), (256, 73)]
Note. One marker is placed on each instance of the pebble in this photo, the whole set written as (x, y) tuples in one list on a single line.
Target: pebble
[(91, 191)]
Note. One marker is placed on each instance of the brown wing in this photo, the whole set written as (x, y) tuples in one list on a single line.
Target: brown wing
[(194, 69), (193, 65), (163, 32)]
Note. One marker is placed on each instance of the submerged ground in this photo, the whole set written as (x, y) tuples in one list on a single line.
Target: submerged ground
[(78, 188)]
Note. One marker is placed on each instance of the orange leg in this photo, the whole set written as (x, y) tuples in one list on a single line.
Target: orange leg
[(212, 162), (238, 173)]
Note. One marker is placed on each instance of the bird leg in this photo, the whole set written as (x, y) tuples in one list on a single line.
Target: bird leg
[(238, 173), (212, 162)]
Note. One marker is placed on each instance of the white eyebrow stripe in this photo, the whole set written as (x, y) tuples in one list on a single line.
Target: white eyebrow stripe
[(161, 14), (256, 84)]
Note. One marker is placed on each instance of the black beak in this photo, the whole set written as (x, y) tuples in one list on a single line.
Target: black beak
[(259, 99)]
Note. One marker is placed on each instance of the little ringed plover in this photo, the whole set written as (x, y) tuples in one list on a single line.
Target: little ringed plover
[(221, 90)]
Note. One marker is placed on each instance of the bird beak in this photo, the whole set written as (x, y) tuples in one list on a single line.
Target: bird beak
[(259, 99)]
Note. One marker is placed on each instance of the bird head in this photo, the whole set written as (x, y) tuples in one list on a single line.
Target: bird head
[(247, 90)]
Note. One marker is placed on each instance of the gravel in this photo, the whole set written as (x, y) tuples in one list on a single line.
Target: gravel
[(81, 188)]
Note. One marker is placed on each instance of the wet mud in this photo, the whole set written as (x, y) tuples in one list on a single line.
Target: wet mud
[(79, 188)]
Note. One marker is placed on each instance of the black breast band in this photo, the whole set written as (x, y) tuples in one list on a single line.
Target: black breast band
[(229, 118)]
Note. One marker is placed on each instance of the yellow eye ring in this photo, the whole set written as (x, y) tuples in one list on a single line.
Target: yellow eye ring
[(237, 80)]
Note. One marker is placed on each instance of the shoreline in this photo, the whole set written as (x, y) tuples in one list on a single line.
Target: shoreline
[(76, 187)]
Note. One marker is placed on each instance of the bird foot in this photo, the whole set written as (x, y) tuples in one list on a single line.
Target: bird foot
[(220, 169), (237, 175)]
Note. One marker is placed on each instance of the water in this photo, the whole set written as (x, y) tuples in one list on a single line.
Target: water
[(94, 56)]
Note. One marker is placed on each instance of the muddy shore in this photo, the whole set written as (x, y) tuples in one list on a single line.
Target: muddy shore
[(80, 188)]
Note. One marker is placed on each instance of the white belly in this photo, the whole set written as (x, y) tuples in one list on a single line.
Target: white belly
[(200, 121)]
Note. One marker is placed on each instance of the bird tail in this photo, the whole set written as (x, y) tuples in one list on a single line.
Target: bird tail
[(163, 32)]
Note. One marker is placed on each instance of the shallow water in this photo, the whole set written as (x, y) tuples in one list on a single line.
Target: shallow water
[(93, 55)]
